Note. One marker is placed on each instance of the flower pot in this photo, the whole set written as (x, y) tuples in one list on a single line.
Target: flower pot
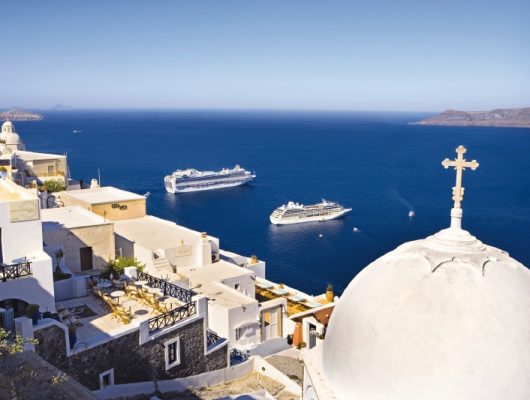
[(329, 295)]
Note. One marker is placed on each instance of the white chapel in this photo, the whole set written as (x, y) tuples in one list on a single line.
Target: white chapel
[(446, 317)]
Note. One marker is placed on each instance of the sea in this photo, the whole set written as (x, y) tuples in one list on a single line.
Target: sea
[(376, 163)]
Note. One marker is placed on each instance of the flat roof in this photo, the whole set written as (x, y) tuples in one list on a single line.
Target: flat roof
[(207, 280), (10, 191), (155, 233), (102, 195), (70, 217), (34, 156)]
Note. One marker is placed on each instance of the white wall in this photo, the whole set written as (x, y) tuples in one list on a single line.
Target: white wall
[(35, 289), (99, 237), (19, 238), (24, 239)]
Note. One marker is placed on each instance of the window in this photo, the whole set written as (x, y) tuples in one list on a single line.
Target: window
[(237, 286), (247, 330), (172, 353), (106, 378), (50, 170)]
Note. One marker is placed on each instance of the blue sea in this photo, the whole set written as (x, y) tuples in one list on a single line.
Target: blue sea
[(375, 163)]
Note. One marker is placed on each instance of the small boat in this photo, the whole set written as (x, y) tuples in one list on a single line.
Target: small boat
[(356, 230), (77, 131), (320, 235), (412, 214)]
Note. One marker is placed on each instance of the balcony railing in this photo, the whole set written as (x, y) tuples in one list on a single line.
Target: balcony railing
[(168, 288), (15, 271), (212, 338), (237, 356), (171, 317)]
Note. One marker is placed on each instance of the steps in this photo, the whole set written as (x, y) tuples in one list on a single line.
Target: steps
[(162, 266)]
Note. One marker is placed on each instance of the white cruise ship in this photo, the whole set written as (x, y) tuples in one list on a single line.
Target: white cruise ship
[(191, 180), (294, 213)]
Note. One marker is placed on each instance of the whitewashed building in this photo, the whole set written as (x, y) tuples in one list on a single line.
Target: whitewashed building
[(26, 273)]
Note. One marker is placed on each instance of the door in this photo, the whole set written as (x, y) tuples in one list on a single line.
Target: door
[(85, 255)]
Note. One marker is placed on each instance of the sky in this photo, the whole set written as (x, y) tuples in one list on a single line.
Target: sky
[(255, 54)]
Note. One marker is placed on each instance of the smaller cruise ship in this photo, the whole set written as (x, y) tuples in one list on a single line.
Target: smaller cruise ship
[(294, 213), (192, 180)]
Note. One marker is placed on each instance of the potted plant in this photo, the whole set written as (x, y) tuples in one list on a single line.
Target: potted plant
[(32, 311), (72, 335), (329, 293), (3, 172)]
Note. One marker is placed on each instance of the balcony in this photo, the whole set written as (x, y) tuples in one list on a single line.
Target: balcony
[(15, 271)]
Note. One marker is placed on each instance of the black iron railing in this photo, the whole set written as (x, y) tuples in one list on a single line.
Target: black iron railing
[(171, 317), (212, 338), (14, 271), (237, 356), (168, 288)]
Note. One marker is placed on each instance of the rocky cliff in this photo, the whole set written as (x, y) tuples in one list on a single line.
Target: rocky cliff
[(508, 117)]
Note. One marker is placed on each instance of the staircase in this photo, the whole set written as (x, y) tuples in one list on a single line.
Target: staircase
[(162, 266)]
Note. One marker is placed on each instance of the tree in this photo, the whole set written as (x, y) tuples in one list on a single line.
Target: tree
[(13, 346)]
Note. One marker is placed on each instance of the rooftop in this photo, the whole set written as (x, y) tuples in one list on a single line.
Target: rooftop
[(208, 281), (70, 217), (102, 195), (155, 233), (9, 191), (33, 156)]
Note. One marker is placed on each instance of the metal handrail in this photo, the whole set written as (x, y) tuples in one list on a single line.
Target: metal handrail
[(15, 271), (168, 288), (171, 317), (212, 338)]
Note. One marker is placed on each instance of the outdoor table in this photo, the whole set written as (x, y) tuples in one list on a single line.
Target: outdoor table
[(140, 283), (104, 285), (117, 294)]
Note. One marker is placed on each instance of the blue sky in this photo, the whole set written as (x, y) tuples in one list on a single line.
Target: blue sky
[(290, 54)]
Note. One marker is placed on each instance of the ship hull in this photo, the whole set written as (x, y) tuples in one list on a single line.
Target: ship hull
[(316, 218), (173, 187)]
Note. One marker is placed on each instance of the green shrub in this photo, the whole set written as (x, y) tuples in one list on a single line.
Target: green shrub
[(116, 267), (53, 185)]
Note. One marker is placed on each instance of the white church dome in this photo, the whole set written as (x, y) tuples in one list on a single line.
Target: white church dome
[(7, 124), (446, 317)]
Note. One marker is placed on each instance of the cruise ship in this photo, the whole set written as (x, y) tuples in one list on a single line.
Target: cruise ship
[(294, 213), (191, 180)]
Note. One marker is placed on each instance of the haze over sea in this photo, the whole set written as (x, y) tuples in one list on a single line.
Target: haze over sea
[(375, 163)]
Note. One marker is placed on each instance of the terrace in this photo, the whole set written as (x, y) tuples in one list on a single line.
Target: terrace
[(297, 301), (113, 309)]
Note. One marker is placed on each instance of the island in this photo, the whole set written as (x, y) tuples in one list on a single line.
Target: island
[(19, 114), (507, 117)]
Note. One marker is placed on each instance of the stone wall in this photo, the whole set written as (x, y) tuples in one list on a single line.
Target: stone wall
[(132, 362)]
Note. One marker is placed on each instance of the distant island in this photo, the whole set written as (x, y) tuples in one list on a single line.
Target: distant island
[(19, 114), (60, 107), (507, 117)]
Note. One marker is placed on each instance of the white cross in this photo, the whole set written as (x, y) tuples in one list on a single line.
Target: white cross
[(460, 165)]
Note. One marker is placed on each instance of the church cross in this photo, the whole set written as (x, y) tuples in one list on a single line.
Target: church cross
[(460, 165)]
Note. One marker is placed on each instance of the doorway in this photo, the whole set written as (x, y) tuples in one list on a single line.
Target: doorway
[(85, 256)]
